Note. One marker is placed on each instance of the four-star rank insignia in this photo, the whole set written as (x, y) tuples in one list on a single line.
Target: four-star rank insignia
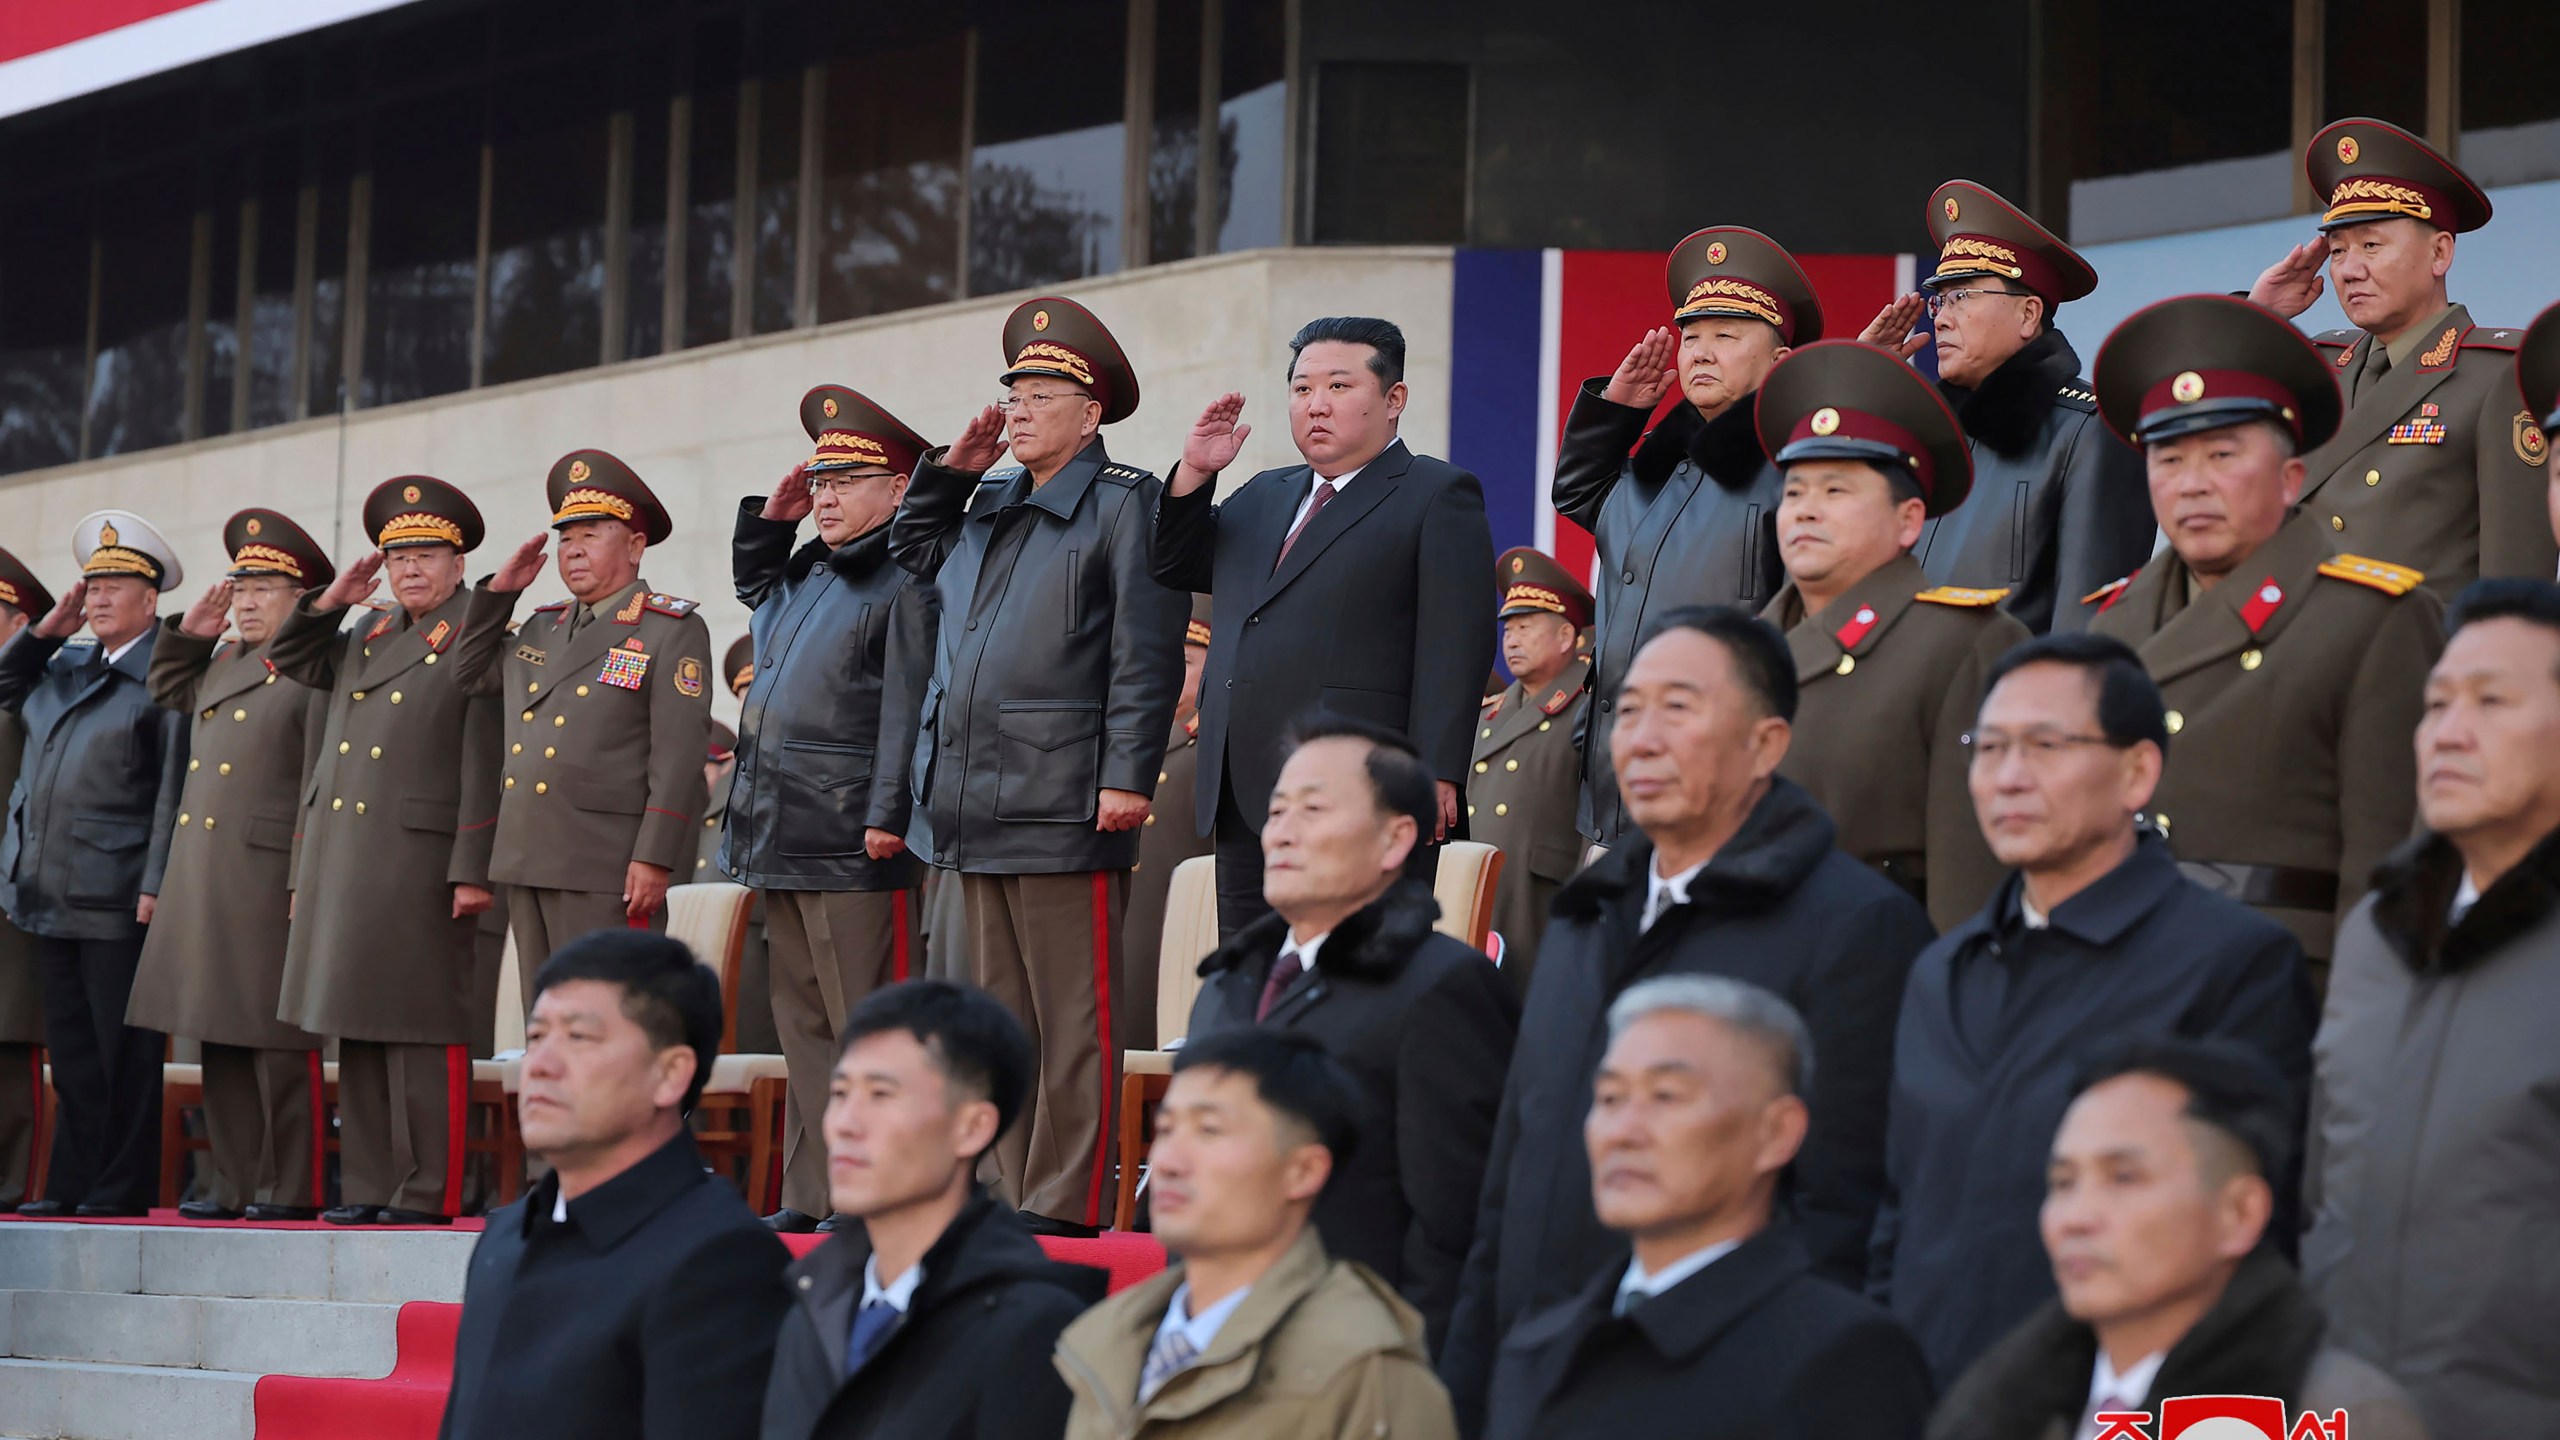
[(2262, 604)]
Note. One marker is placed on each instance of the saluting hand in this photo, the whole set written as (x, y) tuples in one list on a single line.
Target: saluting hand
[(522, 568), (1118, 810), (1645, 376), (979, 444), (204, 619), (1896, 326), (354, 584), (68, 613), (2289, 286), (1212, 445), (790, 499)]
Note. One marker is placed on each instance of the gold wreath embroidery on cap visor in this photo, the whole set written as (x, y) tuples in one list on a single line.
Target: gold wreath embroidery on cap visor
[(1967, 253), (1536, 597), (2364, 196), (1040, 354), (117, 560), (416, 528), (589, 502), (1731, 294), (266, 557)]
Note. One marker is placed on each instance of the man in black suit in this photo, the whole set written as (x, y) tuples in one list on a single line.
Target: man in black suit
[(1422, 1021), (1716, 1326), (1359, 581), (630, 1294)]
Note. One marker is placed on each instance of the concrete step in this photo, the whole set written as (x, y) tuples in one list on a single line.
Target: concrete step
[(355, 1265), (259, 1337), (47, 1398)]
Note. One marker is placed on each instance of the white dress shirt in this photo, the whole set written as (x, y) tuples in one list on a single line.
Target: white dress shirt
[(897, 1293), (2111, 1391), (1339, 483), (1641, 1284), (2464, 897), (1198, 1329), (1661, 892), (118, 653)]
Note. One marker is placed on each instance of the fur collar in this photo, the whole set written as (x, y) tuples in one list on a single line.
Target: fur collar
[(2414, 890), (2258, 1339), (1725, 449), (852, 560), (1373, 945), (1780, 843), (2008, 409)]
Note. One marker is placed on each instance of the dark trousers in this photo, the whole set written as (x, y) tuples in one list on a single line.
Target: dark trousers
[(106, 1074), (1240, 901), (21, 1120)]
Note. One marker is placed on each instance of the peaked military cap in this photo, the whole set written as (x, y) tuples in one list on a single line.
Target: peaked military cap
[(739, 664), (2372, 170), (119, 542), (2538, 368), (421, 510), (1844, 400), (1197, 631), (267, 542), (20, 588), (721, 744), (851, 430), (593, 485), (2201, 362), (1052, 336), (1979, 233), (1533, 583), (1729, 270)]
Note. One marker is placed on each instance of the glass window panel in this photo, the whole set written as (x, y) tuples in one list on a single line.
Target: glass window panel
[(2510, 107), (44, 332), (270, 339), (890, 223), (546, 230), (1253, 121), (711, 209), (645, 253), (2377, 61), (777, 199), (1391, 154), (136, 395), (329, 298), (1173, 152), (1045, 176), (2158, 134), (425, 239)]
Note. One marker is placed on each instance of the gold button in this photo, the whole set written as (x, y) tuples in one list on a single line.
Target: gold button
[(359, 695), (1485, 734), (559, 720), (2373, 477), (1847, 664), (1510, 764), (1471, 810), (208, 820), (1163, 775), (377, 752), (550, 752), (2337, 522), (582, 689), (2177, 722), (1151, 819), (518, 750), (359, 810), (710, 823), (1545, 725), (705, 865), (541, 787), (533, 687), (344, 747), (511, 782), (208, 713), (194, 765), (1483, 765), (338, 804), (182, 817), (527, 717), (1501, 809), (224, 768), (270, 680), (368, 652), (2252, 659), (395, 697), (239, 715), (431, 659), (2162, 821)]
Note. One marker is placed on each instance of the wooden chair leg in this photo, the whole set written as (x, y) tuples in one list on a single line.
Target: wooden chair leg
[(764, 1151), (510, 1154)]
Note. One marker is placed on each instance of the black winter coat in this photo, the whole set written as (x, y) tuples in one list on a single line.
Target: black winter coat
[(2142, 951), (2058, 507), (1781, 907), (1425, 1024), (1383, 611), (1691, 518), (1056, 665), (649, 1316), (1753, 1347), (970, 1361), (97, 796), (815, 765)]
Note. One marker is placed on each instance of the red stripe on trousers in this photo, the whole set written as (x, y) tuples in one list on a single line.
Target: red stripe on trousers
[(319, 1132), (1102, 1025), (457, 1103), (35, 1094), (898, 935)]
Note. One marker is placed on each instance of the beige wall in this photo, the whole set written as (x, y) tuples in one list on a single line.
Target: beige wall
[(709, 425)]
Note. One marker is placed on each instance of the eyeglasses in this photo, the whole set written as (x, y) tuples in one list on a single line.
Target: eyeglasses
[(2040, 748), (1944, 300), (1037, 400), (843, 484)]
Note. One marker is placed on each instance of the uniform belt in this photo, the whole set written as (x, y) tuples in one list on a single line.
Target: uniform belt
[(2281, 886)]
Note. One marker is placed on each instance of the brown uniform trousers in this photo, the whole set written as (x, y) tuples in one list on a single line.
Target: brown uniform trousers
[(1523, 792), (2294, 691), (606, 719), (946, 928), (2438, 464), (21, 1025), (401, 808), (830, 949), (1164, 844), (212, 966), (1047, 946), (1889, 679)]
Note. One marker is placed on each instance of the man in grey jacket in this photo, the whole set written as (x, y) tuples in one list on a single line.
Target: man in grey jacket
[(1055, 668), (2435, 1148), (89, 826)]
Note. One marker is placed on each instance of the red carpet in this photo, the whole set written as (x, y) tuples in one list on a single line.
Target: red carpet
[(171, 1217)]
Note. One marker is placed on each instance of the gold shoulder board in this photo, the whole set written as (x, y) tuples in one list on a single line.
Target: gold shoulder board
[(2381, 575), (1960, 595)]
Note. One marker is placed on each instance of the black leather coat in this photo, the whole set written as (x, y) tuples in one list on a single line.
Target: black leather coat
[(815, 765), (1691, 518), (91, 814)]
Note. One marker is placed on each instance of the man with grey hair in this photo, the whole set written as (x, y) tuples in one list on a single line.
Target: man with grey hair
[(1715, 1324)]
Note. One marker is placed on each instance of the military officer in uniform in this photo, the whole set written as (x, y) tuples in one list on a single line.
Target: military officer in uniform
[(397, 822), (819, 805), (1690, 517), (738, 666), (2434, 460), (213, 964), (1889, 668), (22, 598), (2057, 509), (2538, 378), (719, 762), (1054, 674), (2294, 672), (1526, 779), (609, 694), (1166, 841), (88, 843)]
